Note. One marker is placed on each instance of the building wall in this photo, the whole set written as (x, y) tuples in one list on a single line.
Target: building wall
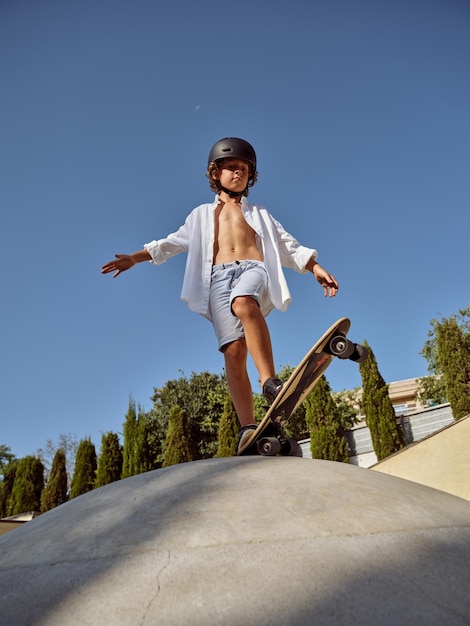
[(441, 460), (416, 420), (417, 424)]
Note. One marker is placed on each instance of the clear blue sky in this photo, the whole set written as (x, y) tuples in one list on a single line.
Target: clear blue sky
[(359, 113)]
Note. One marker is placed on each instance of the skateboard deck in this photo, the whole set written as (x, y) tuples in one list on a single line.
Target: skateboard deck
[(268, 439)]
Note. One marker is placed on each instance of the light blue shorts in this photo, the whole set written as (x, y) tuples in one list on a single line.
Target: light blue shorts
[(229, 281)]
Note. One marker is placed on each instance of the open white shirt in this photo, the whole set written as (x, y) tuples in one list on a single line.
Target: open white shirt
[(196, 237)]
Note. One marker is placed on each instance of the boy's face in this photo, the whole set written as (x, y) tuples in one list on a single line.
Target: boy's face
[(233, 174)]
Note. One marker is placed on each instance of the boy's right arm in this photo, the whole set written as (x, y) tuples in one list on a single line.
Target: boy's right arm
[(123, 262)]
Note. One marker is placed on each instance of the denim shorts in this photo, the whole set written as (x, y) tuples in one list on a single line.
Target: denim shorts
[(229, 281)]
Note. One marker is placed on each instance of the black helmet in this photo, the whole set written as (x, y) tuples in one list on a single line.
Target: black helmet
[(232, 147)]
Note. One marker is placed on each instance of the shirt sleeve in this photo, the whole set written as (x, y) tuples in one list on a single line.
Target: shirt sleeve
[(162, 249), (292, 254)]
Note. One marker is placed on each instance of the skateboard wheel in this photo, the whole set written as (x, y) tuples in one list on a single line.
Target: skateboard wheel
[(295, 449), (292, 448), (341, 347), (269, 446)]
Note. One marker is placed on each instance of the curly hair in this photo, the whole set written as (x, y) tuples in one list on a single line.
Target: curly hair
[(214, 183)]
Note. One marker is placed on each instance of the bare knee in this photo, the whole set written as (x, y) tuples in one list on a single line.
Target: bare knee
[(236, 351), (245, 306)]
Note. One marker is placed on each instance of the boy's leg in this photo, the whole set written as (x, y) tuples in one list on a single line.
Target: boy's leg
[(249, 334), (235, 355), (258, 340)]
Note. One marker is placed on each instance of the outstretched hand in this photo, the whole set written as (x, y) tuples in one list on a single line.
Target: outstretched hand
[(121, 263), (327, 281)]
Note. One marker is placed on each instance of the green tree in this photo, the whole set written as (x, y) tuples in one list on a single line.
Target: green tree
[(67, 443), (347, 406), (177, 449), (387, 436), (228, 430), (84, 474), (201, 397), (27, 486), (109, 461), (138, 455), (6, 457), (326, 431), (130, 441), (261, 406), (431, 390), (145, 459), (9, 473), (7, 468), (55, 491), (447, 351)]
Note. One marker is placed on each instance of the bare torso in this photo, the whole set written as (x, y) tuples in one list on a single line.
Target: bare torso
[(234, 239)]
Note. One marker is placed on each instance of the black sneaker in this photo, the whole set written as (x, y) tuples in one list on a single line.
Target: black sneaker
[(245, 433), (271, 389)]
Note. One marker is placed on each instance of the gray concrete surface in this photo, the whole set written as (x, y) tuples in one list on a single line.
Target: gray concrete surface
[(275, 541)]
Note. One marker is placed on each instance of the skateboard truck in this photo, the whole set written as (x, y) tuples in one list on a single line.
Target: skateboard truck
[(276, 443), (341, 347)]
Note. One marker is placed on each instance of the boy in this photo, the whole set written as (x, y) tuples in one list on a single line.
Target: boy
[(234, 273)]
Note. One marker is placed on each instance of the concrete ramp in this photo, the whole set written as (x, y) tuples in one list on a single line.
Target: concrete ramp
[(237, 541), (442, 460)]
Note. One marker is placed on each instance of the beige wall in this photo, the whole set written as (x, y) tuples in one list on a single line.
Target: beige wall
[(6, 527), (441, 461)]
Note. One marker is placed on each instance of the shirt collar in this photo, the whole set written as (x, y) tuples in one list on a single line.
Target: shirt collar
[(244, 201)]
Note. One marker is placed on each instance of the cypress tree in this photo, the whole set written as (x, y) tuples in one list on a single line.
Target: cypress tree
[(27, 486), (84, 474), (9, 473), (387, 436), (55, 491), (109, 461), (228, 430), (137, 450), (143, 458), (177, 448), (453, 349), (130, 436), (326, 431)]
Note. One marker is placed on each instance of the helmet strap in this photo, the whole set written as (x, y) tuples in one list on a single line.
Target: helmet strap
[(231, 194)]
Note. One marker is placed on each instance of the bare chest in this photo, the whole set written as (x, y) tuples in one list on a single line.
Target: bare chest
[(230, 217), (234, 237)]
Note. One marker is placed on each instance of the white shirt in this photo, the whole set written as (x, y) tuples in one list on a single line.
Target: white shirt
[(196, 237)]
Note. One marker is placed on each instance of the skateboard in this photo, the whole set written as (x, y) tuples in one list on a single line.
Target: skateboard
[(268, 439)]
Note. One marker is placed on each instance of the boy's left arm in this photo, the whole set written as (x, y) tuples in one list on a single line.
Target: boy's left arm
[(293, 255), (327, 281)]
